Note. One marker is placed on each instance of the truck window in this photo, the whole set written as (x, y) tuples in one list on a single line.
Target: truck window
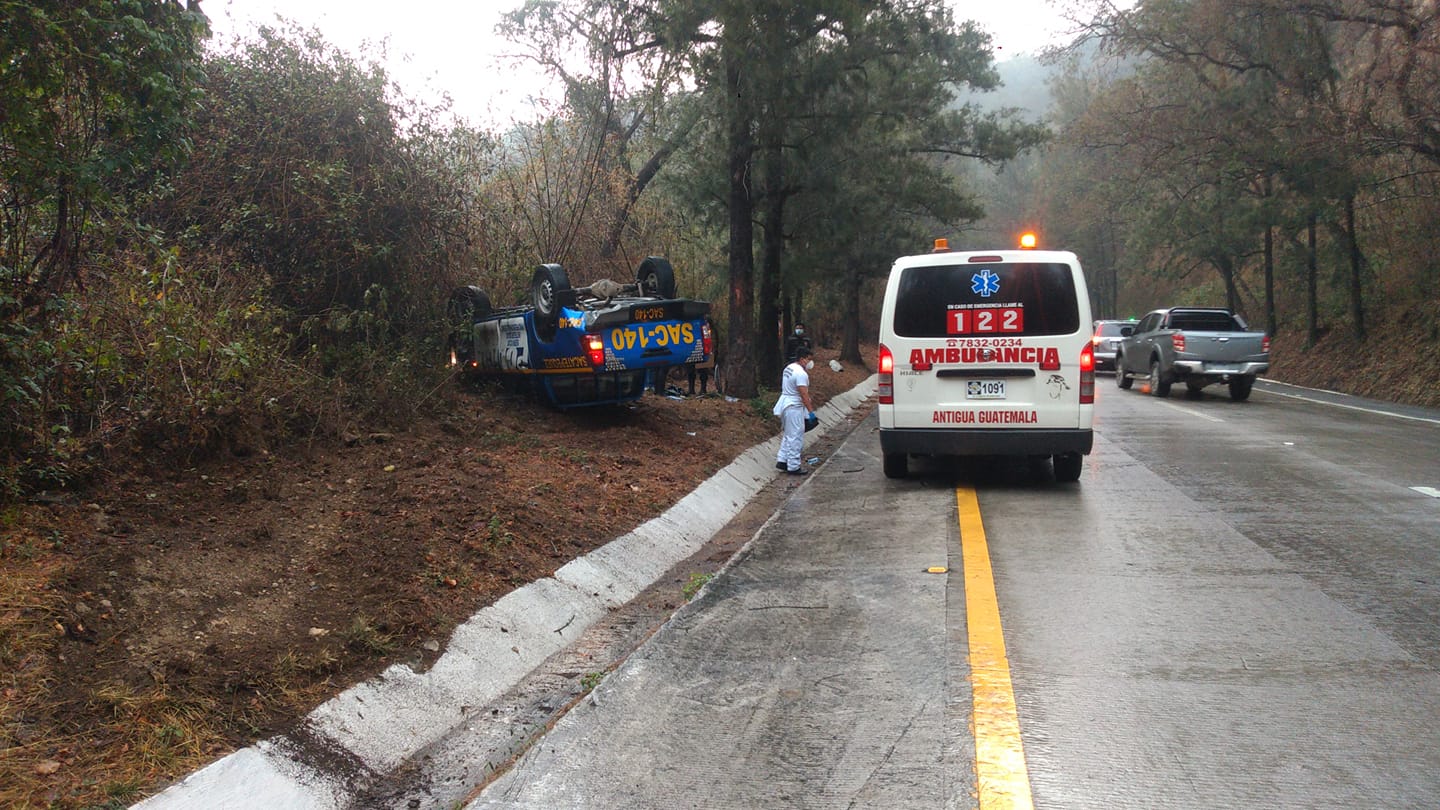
[(986, 300), (1204, 322)]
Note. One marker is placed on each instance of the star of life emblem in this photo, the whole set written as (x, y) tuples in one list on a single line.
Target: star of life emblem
[(985, 283)]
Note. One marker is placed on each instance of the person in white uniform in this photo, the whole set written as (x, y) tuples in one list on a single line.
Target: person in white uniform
[(793, 406)]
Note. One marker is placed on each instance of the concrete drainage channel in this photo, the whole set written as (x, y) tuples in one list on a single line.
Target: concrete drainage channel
[(413, 739)]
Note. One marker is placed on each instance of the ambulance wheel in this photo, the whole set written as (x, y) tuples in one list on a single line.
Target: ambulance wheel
[(656, 278), (1067, 467), (896, 465), (546, 286)]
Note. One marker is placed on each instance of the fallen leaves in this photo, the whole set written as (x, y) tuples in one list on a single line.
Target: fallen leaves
[(47, 767)]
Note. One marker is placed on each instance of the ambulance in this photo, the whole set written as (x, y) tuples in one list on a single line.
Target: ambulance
[(986, 353)]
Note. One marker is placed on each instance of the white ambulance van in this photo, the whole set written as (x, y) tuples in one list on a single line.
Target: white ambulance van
[(986, 353)]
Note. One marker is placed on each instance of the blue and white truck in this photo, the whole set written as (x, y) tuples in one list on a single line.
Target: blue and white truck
[(594, 345)]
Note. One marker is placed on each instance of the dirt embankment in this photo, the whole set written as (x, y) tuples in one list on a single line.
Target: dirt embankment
[(168, 616)]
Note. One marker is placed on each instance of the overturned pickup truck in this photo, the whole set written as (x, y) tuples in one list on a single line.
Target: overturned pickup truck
[(579, 346)]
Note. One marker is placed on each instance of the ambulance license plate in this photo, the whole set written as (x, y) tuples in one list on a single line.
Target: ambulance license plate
[(984, 389)]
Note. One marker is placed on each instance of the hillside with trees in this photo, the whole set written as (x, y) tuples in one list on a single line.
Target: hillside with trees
[(1278, 158), (213, 247)]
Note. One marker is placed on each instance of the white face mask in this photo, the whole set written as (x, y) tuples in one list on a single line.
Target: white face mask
[(799, 331), (809, 364)]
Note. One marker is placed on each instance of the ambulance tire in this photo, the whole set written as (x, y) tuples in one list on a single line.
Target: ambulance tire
[(897, 465), (1067, 467)]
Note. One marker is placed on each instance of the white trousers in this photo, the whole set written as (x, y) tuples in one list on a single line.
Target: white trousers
[(792, 440)]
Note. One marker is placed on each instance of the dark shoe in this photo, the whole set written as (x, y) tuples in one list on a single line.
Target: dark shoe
[(801, 471), (780, 465)]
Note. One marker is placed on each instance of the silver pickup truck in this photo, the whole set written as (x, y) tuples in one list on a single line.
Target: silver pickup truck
[(1194, 345)]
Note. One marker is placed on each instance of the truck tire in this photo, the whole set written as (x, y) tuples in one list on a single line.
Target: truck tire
[(467, 305), (1121, 378), (897, 465), (656, 278), (1067, 467), (1159, 386), (1240, 388), (546, 287)]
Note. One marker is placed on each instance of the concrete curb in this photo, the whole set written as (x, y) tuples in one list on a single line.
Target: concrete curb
[(374, 727)]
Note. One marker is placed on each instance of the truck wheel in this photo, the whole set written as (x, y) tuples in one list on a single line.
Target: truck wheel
[(1121, 378), (1159, 386), (656, 278), (466, 306), (1240, 388), (1067, 467), (549, 281), (896, 465)]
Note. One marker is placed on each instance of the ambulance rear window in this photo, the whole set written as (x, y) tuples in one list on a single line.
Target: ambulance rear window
[(986, 300)]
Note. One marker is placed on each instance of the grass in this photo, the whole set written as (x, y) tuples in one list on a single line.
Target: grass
[(575, 455), (496, 535), (362, 636), (138, 735), (763, 403), (506, 438), (128, 736), (696, 582)]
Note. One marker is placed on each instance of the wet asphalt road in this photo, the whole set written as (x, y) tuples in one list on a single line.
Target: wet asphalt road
[(1237, 606)]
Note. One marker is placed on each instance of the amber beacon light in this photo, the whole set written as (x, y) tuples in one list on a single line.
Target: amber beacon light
[(1028, 241)]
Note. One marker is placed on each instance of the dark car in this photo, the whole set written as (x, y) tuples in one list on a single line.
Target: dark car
[(1106, 340)]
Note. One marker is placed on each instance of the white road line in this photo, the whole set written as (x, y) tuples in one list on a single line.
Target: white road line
[(1191, 411), (1348, 407), (1431, 491)]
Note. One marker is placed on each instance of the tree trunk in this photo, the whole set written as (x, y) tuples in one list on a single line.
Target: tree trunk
[(740, 143), (1270, 323), (769, 361), (1357, 262), (1312, 303), (640, 182), (850, 339), (1112, 270), (1227, 273)]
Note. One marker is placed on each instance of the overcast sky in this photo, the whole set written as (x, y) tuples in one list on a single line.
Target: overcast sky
[(449, 45)]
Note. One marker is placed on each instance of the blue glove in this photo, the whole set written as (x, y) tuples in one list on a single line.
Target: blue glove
[(810, 415)]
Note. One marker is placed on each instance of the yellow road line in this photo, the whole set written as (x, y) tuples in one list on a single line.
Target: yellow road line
[(1000, 773)]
